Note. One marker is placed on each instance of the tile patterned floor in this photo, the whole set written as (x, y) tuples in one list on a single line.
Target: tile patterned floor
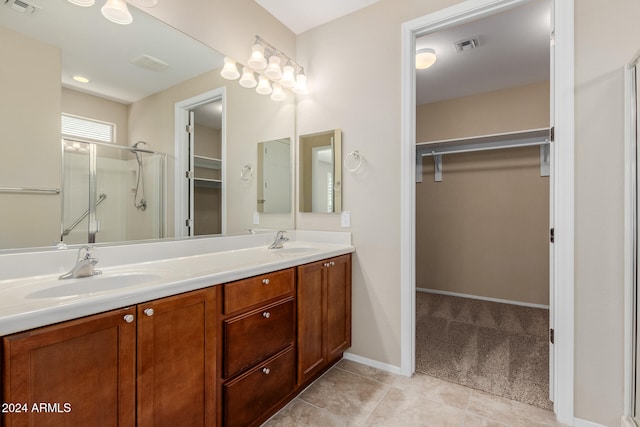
[(351, 394)]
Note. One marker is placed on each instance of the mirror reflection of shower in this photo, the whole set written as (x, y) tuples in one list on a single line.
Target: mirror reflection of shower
[(142, 204)]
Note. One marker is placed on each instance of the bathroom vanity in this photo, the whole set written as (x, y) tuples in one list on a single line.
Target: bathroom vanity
[(230, 354)]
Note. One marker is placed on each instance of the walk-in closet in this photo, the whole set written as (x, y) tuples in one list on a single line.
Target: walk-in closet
[(482, 204)]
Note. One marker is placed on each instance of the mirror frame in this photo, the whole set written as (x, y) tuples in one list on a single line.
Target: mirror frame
[(336, 147)]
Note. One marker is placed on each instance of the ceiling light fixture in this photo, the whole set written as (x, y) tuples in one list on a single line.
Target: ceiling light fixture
[(273, 79), (425, 58)]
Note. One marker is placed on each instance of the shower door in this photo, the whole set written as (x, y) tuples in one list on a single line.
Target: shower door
[(112, 193)]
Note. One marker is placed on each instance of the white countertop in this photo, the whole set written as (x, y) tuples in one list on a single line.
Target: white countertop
[(34, 301)]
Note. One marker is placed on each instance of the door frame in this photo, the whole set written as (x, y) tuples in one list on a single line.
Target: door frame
[(562, 191), (181, 150)]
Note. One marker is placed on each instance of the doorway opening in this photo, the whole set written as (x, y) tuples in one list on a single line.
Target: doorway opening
[(200, 167), (561, 195)]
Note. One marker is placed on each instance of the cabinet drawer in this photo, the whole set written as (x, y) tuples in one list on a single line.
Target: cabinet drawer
[(256, 335), (252, 395), (249, 292)]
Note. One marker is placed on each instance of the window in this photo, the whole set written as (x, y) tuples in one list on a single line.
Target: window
[(85, 129)]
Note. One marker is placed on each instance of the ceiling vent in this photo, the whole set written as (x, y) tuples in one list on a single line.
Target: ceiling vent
[(21, 6), (468, 44), (150, 63)]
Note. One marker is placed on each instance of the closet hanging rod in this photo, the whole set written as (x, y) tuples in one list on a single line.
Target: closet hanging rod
[(440, 152), (29, 190)]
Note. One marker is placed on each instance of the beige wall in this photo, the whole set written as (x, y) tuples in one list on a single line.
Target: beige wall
[(483, 230), (506, 110), (29, 81)]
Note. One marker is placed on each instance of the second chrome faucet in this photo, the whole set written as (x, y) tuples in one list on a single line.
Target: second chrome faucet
[(85, 265), (279, 240)]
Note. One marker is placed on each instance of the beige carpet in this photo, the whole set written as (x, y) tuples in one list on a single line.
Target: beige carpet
[(498, 348)]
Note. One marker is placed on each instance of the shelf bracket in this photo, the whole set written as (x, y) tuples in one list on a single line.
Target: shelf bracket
[(437, 167), (545, 163)]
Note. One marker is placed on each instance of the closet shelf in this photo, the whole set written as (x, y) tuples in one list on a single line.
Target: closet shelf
[(207, 183), (437, 149), (207, 162)]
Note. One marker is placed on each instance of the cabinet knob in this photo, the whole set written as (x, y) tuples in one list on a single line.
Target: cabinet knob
[(266, 314), (326, 264), (266, 371), (149, 311), (129, 318), (265, 281), (332, 263)]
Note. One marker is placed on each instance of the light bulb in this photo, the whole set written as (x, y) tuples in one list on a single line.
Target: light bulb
[(264, 87), (273, 71), (117, 11), (247, 80), (257, 60), (278, 93), (301, 84), (229, 71), (425, 58), (288, 80)]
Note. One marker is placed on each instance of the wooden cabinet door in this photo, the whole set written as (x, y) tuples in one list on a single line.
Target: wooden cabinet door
[(311, 306), (176, 354), (88, 364), (338, 315)]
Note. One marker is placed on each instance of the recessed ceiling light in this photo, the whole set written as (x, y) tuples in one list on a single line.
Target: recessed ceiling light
[(425, 58), (81, 79)]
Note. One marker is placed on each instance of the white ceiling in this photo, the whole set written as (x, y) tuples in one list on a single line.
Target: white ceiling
[(101, 50), (514, 50), (514, 46), (302, 15)]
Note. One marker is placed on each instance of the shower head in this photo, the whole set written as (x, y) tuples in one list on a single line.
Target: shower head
[(138, 143)]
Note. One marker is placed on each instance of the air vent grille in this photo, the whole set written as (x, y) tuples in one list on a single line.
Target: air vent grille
[(150, 63), (21, 6), (467, 44)]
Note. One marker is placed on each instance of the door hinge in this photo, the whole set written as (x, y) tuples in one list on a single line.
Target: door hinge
[(552, 134), (552, 338), (552, 235), (189, 222), (189, 128), (189, 174)]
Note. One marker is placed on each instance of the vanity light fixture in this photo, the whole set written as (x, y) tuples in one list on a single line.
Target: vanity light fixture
[(265, 60), (264, 87), (247, 80), (230, 70), (278, 93), (116, 10), (425, 58)]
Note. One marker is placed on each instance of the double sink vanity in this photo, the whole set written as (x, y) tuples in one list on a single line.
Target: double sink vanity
[(212, 331)]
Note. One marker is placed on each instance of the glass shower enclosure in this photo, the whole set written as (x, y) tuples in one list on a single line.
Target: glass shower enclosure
[(112, 193)]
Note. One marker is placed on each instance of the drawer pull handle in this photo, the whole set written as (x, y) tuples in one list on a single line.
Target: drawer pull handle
[(266, 371), (129, 318), (265, 281), (148, 311), (266, 314)]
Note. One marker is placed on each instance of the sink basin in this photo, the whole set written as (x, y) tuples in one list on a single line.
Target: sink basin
[(292, 250), (99, 283)]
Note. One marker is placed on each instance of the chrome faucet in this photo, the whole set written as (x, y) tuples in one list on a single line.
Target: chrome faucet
[(279, 240), (84, 265)]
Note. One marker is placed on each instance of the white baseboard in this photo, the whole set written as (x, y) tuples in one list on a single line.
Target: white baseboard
[(503, 301), (577, 422), (373, 363)]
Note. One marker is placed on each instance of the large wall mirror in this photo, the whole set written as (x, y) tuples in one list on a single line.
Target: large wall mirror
[(320, 176), (136, 75)]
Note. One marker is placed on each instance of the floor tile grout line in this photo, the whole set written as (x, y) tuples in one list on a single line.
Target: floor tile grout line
[(364, 423), (360, 375)]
